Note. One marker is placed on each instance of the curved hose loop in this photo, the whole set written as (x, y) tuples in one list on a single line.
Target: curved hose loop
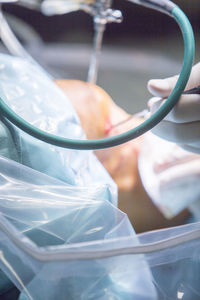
[(148, 124)]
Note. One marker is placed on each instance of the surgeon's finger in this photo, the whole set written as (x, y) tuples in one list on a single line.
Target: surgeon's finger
[(163, 87), (180, 133), (186, 110)]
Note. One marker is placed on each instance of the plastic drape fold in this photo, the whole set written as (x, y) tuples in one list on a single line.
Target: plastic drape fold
[(58, 217), (56, 244)]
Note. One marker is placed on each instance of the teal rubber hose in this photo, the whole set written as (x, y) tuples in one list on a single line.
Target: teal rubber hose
[(148, 124)]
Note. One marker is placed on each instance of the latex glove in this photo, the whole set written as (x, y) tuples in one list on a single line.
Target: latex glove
[(182, 124)]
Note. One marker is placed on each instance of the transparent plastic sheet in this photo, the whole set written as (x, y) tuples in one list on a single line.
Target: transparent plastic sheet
[(64, 247), (53, 216), (31, 93), (176, 270), (170, 176), (34, 96), (55, 233)]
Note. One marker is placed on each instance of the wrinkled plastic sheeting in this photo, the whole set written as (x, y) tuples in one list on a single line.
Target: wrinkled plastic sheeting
[(19, 183), (31, 93), (43, 220), (175, 275), (52, 215), (175, 270)]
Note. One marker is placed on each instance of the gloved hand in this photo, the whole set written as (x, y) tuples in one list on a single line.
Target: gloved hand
[(182, 124)]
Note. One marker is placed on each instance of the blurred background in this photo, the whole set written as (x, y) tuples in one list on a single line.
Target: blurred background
[(147, 44)]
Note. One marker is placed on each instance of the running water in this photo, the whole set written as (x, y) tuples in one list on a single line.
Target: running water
[(93, 7)]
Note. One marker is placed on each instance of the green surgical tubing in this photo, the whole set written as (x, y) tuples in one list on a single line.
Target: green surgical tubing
[(148, 124)]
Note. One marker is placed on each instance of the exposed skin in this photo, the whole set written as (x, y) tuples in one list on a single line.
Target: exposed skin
[(81, 95), (98, 115)]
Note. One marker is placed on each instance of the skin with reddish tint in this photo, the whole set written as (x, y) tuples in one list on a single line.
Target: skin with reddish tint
[(99, 115)]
